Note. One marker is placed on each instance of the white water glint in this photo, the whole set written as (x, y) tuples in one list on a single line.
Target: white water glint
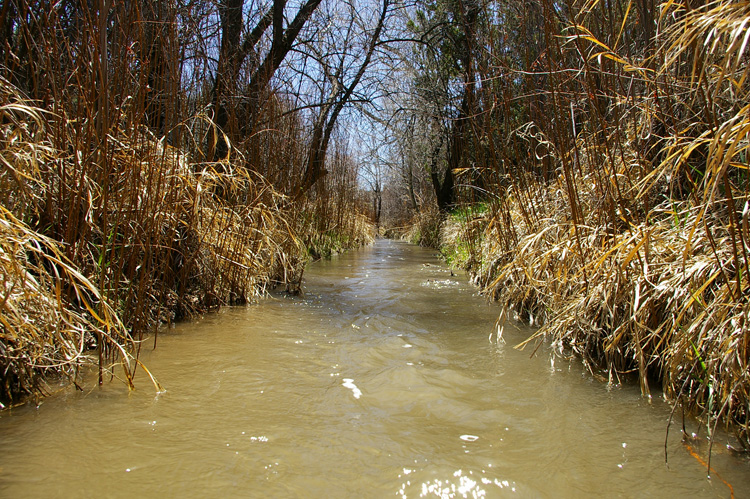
[(349, 383)]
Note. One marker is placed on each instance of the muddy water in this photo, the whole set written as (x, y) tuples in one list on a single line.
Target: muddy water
[(379, 382)]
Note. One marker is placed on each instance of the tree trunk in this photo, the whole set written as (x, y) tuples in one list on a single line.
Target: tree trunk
[(230, 13), (443, 189)]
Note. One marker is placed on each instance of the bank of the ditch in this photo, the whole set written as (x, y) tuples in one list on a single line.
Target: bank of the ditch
[(657, 301), (102, 242)]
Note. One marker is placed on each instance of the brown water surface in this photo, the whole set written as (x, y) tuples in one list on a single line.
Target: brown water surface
[(380, 381)]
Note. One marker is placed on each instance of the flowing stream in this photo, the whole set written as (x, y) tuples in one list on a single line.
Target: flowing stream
[(379, 382)]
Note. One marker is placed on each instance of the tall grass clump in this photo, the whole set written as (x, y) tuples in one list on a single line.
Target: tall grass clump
[(424, 228), (92, 262), (619, 201), (51, 314)]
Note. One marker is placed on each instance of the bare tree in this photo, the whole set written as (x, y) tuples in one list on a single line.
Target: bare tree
[(235, 50), (344, 79)]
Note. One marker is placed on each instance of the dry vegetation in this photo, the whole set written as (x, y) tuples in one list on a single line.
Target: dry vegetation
[(155, 241), (115, 216), (611, 204)]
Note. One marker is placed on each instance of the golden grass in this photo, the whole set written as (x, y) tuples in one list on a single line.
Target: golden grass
[(637, 260), (632, 301), (143, 239), (51, 315), (103, 144)]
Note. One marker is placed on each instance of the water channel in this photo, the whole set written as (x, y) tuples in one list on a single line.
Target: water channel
[(379, 382)]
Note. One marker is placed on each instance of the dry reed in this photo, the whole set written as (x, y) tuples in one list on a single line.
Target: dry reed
[(172, 246), (113, 209), (625, 236)]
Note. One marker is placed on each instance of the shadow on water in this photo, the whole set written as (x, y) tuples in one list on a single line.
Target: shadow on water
[(379, 381)]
